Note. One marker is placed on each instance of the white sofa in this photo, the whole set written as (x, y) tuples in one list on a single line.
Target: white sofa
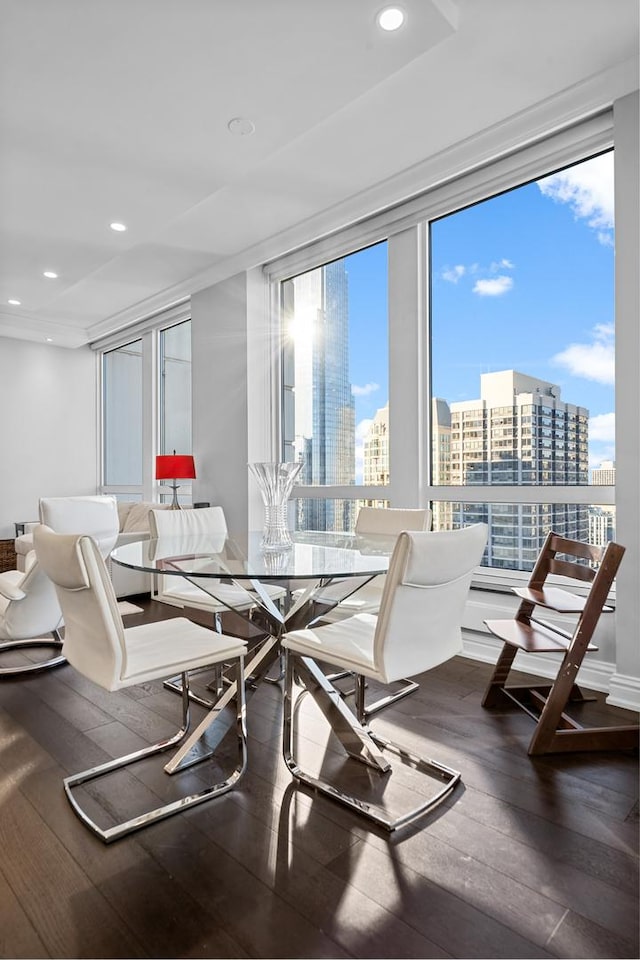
[(133, 517)]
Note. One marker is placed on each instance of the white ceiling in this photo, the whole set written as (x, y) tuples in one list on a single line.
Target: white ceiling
[(118, 110)]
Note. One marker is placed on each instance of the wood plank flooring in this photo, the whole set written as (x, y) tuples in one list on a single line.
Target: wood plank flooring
[(528, 857)]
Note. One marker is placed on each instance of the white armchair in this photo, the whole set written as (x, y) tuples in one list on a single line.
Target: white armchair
[(96, 516), (133, 525), (29, 613)]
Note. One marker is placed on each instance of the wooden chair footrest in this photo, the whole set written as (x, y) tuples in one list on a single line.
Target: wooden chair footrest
[(531, 639)]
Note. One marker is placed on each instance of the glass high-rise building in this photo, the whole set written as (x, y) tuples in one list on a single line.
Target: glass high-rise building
[(318, 302)]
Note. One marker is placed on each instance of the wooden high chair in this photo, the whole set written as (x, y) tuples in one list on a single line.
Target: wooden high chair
[(555, 731)]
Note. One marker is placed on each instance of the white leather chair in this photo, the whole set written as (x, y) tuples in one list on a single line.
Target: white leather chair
[(29, 609), (364, 596), (209, 521), (95, 516), (98, 645), (418, 627)]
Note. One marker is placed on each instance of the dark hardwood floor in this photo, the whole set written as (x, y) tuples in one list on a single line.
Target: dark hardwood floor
[(528, 858)]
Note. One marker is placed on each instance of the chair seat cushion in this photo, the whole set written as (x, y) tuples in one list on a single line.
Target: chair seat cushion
[(347, 644), (155, 650)]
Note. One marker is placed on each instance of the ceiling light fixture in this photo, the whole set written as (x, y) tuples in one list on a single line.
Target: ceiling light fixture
[(49, 339), (14, 303), (50, 275), (240, 127), (391, 18), (118, 227)]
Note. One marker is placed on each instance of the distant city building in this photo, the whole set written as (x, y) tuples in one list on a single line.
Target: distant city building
[(375, 468), (519, 432), (318, 302), (604, 475), (602, 519), (601, 525)]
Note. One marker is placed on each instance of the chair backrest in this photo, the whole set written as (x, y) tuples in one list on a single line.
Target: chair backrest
[(584, 562), (391, 520), (94, 633), (95, 516), (171, 523), (35, 609), (419, 624)]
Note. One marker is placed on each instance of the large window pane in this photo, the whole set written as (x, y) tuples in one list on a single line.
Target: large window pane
[(522, 314), (518, 530), (175, 389), (175, 399), (335, 410), (122, 415)]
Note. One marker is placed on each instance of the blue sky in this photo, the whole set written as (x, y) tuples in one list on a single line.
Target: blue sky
[(522, 281)]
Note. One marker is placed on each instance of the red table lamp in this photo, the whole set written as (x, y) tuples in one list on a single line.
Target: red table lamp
[(175, 467)]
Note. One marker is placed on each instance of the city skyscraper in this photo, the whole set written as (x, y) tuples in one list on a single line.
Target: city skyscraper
[(519, 432), (602, 519), (317, 304), (375, 465)]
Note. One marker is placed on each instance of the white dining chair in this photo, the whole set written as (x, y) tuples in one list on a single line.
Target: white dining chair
[(208, 525), (418, 628), (359, 595), (205, 593), (364, 596), (98, 646)]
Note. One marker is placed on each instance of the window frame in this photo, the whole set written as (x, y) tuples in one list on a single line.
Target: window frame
[(405, 228), (149, 332)]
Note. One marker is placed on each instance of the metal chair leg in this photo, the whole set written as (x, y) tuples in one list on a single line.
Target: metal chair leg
[(159, 813), (364, 710), (375, 812)]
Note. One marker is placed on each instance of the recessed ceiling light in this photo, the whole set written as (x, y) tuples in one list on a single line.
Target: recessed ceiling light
[(14, 303), (50, 275), (49, 339), (240, 127), (118, 227), (391, 18)]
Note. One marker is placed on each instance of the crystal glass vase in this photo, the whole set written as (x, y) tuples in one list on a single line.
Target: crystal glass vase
[(275, 481)]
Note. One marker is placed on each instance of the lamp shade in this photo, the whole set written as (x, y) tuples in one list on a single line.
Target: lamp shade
[(175, 467)]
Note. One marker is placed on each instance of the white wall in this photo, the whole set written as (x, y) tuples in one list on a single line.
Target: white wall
[(219, 378), (48, 432), (625, 684)]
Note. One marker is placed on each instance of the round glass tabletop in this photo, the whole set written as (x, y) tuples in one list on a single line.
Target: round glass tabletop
[(313, 554)]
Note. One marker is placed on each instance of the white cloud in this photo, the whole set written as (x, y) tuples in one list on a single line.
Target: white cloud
[(364, 391), (493, 287), (453, 274), (363, 428), (603, 428), (593, 361), (503, 264), (588, 189)]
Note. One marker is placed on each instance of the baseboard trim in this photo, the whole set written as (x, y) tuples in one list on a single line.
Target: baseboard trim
[(624, 691)]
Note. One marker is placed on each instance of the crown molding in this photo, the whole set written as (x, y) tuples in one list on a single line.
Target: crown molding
[(561, 111)]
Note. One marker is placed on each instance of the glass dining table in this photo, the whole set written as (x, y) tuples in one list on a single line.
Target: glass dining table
[(314, 560)]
